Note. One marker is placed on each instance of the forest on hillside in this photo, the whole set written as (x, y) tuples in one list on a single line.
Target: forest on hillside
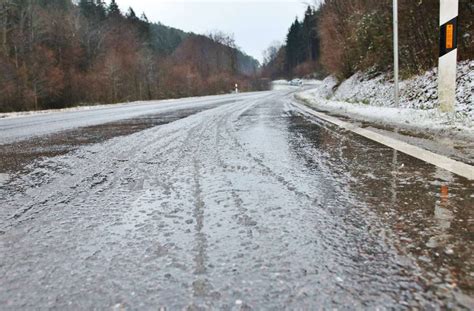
[(61, 53), (341, 37)]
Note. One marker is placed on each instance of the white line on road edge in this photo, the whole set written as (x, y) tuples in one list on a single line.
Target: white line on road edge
[(456, 167)]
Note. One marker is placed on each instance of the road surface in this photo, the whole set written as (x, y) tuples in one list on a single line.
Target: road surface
[(235, 202)]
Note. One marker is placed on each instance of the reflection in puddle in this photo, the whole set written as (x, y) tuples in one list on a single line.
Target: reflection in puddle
[(429, 211), (443, 216)]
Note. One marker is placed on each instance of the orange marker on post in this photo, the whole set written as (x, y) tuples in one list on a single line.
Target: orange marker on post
[(449, 36)]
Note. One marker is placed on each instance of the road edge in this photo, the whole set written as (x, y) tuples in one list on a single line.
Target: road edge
[(456, 167)]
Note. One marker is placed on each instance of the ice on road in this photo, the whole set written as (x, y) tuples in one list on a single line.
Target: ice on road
[(22, 127), (249, 205)]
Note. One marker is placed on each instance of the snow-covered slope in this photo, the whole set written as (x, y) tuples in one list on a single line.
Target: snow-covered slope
[(371, 99), (418, 93)]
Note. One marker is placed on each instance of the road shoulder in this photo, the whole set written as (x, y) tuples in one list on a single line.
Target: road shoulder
[(420, 128), (457, 167)]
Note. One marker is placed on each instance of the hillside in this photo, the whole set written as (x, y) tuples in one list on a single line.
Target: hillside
[(343, 37), (57, 54), (164, 40)]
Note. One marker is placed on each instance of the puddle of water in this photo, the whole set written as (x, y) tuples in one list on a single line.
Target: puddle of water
[(429, 211), (458, 148)]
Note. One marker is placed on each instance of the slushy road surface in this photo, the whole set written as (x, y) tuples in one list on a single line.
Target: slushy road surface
[(236, 202)]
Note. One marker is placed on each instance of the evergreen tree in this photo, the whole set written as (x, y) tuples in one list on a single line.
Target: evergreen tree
[(86, 7), (57, 4), (94, 10), (302, 43), (142, 26), (294, 46), (101, 11), (113, 9), (310, 34), (144, 18), (131, 15)]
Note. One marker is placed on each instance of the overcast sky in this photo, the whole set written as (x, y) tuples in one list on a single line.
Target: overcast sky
[(254, 23)]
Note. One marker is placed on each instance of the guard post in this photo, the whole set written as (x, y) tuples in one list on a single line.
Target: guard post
[(448, 55), (395, 54)]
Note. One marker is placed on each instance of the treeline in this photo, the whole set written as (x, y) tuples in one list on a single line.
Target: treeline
[(56, 53), (357, 35), (300, 54)]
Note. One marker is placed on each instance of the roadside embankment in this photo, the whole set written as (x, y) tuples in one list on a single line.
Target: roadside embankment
[(369, 100)]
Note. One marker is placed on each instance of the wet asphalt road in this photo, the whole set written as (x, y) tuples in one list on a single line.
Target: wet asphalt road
[(235, 205)]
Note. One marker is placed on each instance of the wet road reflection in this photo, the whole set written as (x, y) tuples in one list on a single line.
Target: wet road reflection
[(429, 211), (246, 206)]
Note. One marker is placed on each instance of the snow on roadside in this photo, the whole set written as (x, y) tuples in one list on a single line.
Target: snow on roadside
[(418, 93), (278, 85), (371, 99)]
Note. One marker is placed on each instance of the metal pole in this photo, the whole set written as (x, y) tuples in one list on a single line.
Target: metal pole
[(395, 53), (448, 55)]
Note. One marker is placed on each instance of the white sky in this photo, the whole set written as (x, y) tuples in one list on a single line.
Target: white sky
[(255, 23)]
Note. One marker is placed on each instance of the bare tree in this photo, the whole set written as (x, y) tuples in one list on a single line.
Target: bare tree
[(271, 53)]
